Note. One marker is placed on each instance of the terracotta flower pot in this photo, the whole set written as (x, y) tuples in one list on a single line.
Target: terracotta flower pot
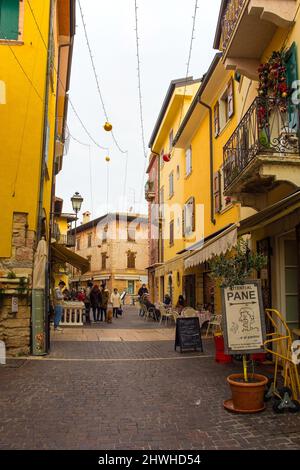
[(247, 397)]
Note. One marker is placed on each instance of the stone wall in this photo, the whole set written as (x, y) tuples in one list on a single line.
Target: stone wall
[(15, 327)]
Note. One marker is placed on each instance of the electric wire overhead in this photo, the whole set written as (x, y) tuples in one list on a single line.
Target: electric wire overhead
[(139, 78), (69, 100), (189, 59), (96, 77)]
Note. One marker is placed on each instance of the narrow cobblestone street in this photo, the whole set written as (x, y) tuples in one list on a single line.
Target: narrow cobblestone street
[(128, 393)]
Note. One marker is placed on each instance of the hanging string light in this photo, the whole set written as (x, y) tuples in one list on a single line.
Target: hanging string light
[(97, 78)]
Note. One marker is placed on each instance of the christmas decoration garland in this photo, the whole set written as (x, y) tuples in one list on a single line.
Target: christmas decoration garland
[(273, 87)]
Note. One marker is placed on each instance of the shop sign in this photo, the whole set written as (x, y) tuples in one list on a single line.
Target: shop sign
[(243, 319)]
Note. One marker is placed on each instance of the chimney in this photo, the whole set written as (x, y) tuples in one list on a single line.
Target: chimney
[(86, 216)]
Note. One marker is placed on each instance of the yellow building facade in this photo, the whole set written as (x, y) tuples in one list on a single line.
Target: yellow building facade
[(262, 155), (168, 277), (36, 42)]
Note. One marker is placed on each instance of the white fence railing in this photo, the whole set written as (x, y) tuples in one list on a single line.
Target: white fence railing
[(72, 314)]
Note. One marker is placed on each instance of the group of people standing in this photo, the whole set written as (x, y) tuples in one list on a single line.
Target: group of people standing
[(95, 299)]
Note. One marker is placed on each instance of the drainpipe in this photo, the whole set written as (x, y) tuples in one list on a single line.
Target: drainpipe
[(45, 134), (211, 151), (158, 193)]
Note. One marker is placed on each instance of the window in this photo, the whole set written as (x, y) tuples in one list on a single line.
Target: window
[(224, 109), (131, 234), (217, 192), (9, 19), (130, 260), (104, 234), (217, 119), (131, 287), (225, 200), (172, 233), (178, 172), (78, 243), (89, 240), (171, 184), (171, 141), (189, 218), (188, 161), (103, 260)]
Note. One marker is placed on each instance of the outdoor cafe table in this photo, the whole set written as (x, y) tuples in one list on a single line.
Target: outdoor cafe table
[(204, 316)]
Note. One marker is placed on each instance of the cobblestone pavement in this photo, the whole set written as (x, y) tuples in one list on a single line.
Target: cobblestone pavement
[(131, 395)]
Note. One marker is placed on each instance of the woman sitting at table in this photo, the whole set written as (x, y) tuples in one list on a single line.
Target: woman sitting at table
[(180, 304), (154, 310)]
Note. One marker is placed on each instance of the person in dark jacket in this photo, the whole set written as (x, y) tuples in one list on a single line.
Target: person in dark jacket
[(96, 300), (104, 302), (142, 291), (167, 300)]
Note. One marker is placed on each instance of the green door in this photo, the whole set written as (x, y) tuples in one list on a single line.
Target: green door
[(292, 77), (131, 287), (9, 19)]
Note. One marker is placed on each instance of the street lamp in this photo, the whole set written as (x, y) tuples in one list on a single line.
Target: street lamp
[(76, 204)]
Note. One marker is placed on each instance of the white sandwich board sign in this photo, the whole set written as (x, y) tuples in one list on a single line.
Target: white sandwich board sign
[(243, 319)]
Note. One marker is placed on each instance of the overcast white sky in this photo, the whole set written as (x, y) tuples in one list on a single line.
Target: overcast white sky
[(164, 30)]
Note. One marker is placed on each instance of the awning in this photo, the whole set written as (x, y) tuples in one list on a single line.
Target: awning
[(221, 243), (127, 277), (102, 277), (271, 214), (64, 255)]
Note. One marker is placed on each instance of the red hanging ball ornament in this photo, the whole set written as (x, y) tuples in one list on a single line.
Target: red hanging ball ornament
[(166, 157)]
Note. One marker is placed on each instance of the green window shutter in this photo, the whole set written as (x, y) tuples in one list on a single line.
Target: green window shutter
[(9, 19), (292, 77)]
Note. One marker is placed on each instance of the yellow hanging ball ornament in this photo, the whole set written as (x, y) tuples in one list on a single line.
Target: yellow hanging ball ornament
[(107, 159), (107, 127)]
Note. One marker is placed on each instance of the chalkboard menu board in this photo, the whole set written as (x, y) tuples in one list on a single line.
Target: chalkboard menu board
[(188, 334)]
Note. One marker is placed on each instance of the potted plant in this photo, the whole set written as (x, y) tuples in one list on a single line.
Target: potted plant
[(233, 270)]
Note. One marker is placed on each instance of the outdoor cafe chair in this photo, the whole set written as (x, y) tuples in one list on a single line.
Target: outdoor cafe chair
[(165, 314)]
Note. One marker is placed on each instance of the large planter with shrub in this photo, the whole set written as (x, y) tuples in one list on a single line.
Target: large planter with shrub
[(233, 271)]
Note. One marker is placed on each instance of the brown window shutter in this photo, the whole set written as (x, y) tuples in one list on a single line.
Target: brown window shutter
[(217, 191), (217, 119), (183, 222), (230, 93)]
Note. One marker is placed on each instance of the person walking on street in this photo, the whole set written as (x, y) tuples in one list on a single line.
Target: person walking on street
[(58, 305), (104, 302), (87, 301), (116, 302), (95, 299)]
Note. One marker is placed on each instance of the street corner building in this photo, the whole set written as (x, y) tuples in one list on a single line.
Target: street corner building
[(116, 246), (36, 43), (229, 143)]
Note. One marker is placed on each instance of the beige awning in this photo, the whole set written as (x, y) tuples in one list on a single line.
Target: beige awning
[(217, 245), (64, 255), (127, 277)]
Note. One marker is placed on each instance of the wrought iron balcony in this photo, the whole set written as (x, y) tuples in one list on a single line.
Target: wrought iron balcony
[(229, 21), (268, 133), (67, 239), (149, 191)]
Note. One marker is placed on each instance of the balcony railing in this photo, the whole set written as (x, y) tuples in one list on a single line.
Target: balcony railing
[(270, 126), (67, 240), (230, 19)]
